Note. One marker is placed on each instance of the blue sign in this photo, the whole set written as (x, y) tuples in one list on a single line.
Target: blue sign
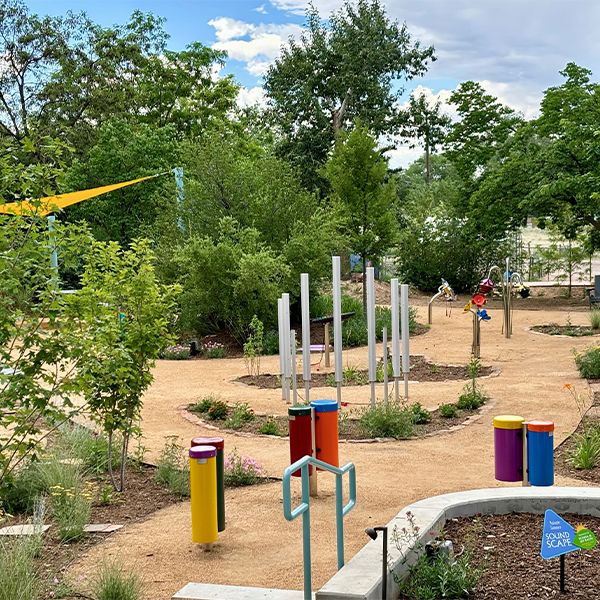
[(557, 537)]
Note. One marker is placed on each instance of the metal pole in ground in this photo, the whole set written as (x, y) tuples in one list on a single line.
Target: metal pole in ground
[(395, 293), (281, 346), (372, 339), (305, 307), (405, 326), (326, 341), (337, 326), (385, 365), (293, 361), (287, 363)]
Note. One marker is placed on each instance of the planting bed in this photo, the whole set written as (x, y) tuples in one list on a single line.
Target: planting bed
[(562, 454), (570, 330), (420, 370), (507, 548), (350, 427), (143, 497)]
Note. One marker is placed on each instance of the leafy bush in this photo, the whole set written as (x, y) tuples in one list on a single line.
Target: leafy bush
[(420, 414), (240, 415), (204, 405), (588, 363), (241, 470), (171, 468), (448, 411), (595, 318), (438, 577), (213, 350), (18, 577), (270, 427), (228, 279), (271, 343), (586, 454), (113, 583), (388, 419), (353, 376), (471, 399), (217, 411)]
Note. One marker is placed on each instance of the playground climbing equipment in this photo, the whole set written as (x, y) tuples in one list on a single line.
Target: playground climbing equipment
[(303, 508), (449, 296)]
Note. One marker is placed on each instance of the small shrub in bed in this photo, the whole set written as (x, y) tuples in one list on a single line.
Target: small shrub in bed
[(586, 453), (595, 319), (448, 411), (114, 583), (172, 469), (588, 363), (241, 470), (218, 411), (240, 415), (388, 419), (420, 414), (270, 427)]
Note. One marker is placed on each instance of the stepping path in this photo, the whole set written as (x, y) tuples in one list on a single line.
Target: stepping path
[(260, 548)]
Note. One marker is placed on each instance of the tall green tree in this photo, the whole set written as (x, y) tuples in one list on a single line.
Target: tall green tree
[(427, 124), (124, 151), (363, 194), (350, 67), (484, 125)]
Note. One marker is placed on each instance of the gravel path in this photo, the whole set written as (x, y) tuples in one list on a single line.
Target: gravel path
[(259, 547)]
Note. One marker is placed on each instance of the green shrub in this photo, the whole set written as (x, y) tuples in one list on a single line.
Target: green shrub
[(595, 318), (471, 399), (218, 411), (586, 454), (388, 419), (254, 345), (172, 469), (271, 343), (448, 411), (588, 363), (353, 376), (438, 577), (420, 414), (21, 488), (270, 427), (113, 583), (214, 350), (204, 405), (18, 576), (241, 470), (240, 415), (179, 352)]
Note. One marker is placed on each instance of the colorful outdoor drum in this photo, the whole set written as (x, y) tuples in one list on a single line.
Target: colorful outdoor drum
[(219, 444), (299, 424), (203, 494), (540, 452), (326, 431), (508, 447)]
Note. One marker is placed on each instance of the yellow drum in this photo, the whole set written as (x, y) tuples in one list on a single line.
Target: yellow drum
[(203, 494)]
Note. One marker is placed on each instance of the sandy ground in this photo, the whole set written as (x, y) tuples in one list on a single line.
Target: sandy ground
[(259, 547)]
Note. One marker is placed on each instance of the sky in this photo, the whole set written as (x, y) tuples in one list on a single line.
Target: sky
[(514, 48)]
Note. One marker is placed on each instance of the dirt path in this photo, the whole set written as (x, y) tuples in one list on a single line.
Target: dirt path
[(259, 547)]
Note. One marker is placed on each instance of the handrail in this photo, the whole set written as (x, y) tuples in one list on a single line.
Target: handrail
[(304, 508)]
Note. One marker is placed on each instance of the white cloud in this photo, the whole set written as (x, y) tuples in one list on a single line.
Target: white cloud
[(251, 97), (262, 9), (257, 45)]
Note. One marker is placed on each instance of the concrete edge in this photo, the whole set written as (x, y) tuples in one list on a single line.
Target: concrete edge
[(360, 578)]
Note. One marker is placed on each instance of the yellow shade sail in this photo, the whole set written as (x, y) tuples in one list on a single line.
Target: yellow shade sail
[(44, 206)]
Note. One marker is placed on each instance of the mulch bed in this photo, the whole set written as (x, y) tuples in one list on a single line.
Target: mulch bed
[(350, 427), (507, 547), (570, 330), (420, 370), (142, 497), (562, 455)]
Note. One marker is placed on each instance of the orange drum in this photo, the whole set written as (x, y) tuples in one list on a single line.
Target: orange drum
[(326, 431)]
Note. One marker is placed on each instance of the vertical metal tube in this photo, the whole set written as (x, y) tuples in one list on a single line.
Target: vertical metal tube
[(326, 336), (384, 569), (287, 363), (280, 328), (293, 360), (337, 325), (395, 293), (404, 325), (371, 333), (305, 306), (385, 365)]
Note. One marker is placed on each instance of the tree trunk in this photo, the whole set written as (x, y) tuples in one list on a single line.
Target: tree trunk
[(109, 457)]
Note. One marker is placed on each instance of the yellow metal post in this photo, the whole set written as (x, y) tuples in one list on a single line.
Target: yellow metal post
[(203, 494)]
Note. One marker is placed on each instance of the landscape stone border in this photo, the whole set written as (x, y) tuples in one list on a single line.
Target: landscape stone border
[(360, 578)]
